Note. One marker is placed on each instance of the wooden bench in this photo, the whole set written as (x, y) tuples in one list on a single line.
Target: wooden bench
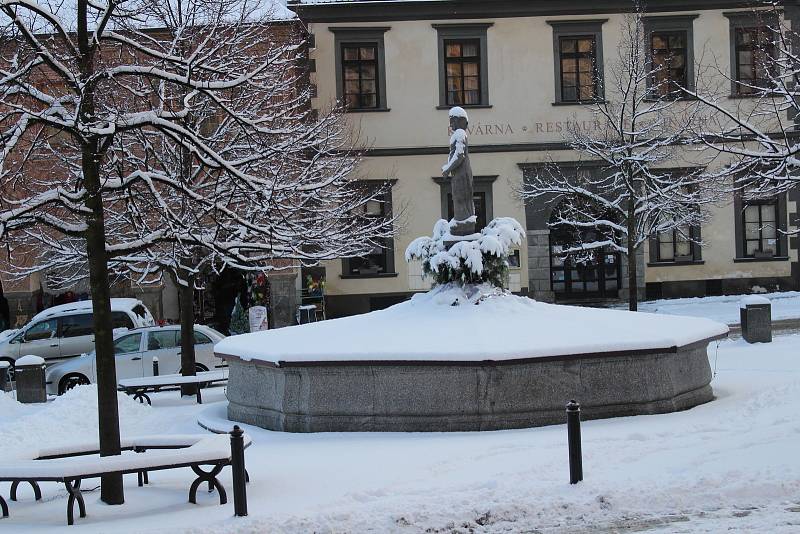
[(71, 465), (138, 387)]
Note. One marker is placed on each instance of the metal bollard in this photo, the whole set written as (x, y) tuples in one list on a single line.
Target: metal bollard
[(155, 365), (574, 439), (4, 367), (239, 472)]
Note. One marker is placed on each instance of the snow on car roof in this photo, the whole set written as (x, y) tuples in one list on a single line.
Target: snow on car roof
[(117, 304)]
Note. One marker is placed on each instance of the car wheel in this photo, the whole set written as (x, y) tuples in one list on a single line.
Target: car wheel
[(70, 381), (10, 374)]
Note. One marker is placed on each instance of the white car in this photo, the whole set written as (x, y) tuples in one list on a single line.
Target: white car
[(67, 330), (134, 351)]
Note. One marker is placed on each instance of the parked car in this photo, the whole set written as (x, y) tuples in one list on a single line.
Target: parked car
[(67, 330), (134, 351)]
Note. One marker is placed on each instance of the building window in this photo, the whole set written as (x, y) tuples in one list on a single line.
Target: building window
[(670, 54), (578, 59), (360, 68), (760, 223), (578, 72), (463, 65), (752, 51), (754, 67), (675, 245), (481, 196), (380, 260)]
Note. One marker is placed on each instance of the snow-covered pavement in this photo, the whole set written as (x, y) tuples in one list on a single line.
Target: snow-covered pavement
[(725, 309), (728, 465)]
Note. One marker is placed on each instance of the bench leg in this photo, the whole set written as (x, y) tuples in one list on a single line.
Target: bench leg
[(141, 396), (3, 506), (199, 395), (211, 478), (74, 490), (37, 492)]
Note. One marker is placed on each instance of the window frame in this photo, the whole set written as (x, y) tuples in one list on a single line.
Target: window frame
[(463, 32), (576, 29), (388, 248), (355, 36), (670, 24), (359, 62), (781, 216), (461, 61), (744, 20), (760, 204), (695, 254)]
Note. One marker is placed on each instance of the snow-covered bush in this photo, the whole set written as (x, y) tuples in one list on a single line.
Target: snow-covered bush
[(476, 259)]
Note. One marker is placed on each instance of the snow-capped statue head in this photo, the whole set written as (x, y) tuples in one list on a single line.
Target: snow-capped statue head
[(458, 119)]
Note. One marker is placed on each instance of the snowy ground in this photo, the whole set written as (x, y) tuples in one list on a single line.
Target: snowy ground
[(785, 305), (728, 465)]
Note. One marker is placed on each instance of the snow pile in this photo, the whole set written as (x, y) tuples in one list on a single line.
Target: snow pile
[(435, 327), (476, 259), (69, 419)]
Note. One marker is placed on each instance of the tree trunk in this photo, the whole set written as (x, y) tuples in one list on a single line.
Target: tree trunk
[(186, 292), (633, 297), (111, 489)]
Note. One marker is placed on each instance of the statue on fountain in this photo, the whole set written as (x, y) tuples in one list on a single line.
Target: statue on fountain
[(459, 171), (456, 254)]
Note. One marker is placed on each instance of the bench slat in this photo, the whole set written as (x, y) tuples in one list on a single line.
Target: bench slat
[(174, 380)]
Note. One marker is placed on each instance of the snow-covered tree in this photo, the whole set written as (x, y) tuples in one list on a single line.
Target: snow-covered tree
[(94, 102), (757, 137), (632, 184), (480, 260)]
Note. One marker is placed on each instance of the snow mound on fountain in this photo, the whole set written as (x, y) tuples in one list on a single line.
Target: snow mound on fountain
[(475, 323)]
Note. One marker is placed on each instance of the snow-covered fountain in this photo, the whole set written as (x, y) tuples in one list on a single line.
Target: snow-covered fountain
[(467, 355)]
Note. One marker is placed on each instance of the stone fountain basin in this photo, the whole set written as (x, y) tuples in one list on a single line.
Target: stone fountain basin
[(508, 362)]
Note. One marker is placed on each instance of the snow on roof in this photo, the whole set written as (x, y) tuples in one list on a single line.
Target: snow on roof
[(428, 328)]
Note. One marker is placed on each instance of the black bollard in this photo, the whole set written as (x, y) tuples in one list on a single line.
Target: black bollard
[(239, 472), (155, 365), (4, 367), (574, 439)]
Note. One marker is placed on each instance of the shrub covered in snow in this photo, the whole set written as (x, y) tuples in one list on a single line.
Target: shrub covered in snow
[(476, 259)]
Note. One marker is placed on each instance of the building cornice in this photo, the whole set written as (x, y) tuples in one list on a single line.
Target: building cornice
[(393, 10)]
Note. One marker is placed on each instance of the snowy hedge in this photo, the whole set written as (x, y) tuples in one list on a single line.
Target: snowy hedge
[(480, 258)]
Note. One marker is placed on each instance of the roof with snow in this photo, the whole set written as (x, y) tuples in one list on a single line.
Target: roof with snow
[(386, 10), (501, 327)]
